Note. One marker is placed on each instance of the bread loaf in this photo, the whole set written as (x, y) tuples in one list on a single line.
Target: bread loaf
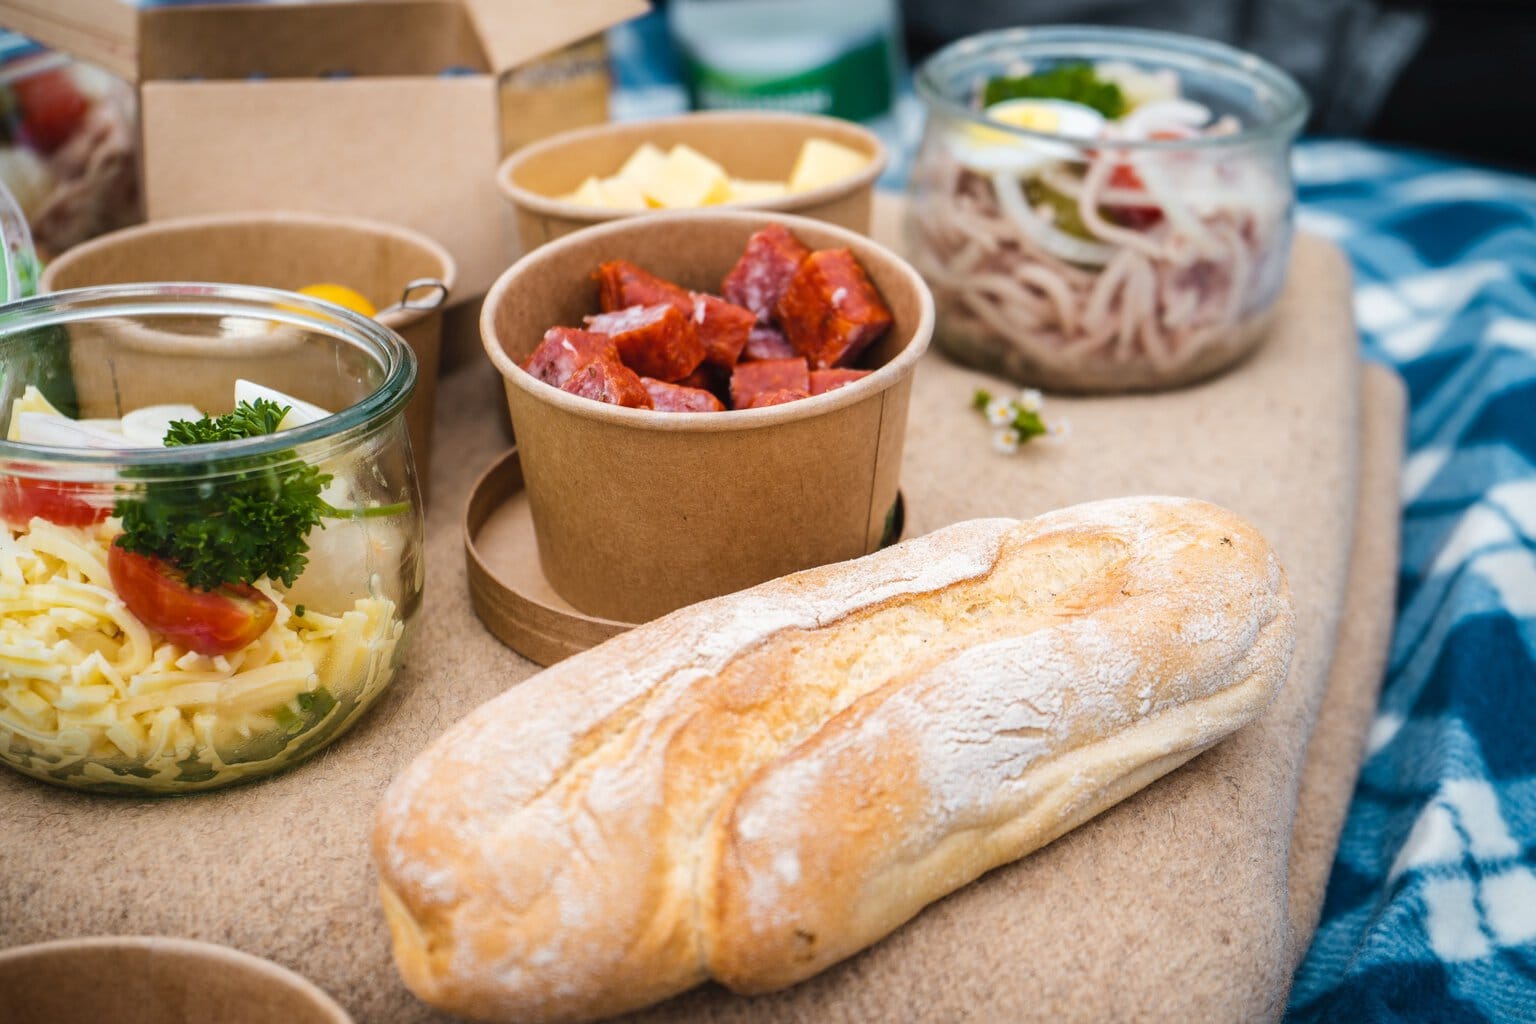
[(757, 786)]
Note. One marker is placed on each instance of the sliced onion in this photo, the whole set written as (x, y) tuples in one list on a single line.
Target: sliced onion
[(1010, 197)]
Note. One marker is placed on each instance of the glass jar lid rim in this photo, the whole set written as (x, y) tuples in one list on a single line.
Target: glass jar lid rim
[(76, 305), (1148, 45)]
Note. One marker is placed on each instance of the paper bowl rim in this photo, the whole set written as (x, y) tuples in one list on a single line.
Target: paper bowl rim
[(551, 206)]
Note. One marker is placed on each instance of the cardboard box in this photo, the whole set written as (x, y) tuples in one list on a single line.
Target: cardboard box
[(388, 109)]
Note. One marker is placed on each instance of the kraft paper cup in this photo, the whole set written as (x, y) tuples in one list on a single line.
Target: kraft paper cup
[(154, 980), (638, 512), (748, 144), (276, 250)]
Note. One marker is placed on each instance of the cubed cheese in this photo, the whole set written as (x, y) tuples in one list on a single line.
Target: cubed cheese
[(590, 193), (822, 162), (686, 179), (746, 191), (623, 194), (642, 165)]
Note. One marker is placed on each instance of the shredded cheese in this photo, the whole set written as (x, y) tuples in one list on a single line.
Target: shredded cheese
[(90, 696)]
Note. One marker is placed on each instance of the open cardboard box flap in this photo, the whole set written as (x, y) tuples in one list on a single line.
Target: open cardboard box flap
[(136, 43), (385, 109)]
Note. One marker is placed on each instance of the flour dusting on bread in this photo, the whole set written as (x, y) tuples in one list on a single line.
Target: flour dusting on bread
[(754, 787)]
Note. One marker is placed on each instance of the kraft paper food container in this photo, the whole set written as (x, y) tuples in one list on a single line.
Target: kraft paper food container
[(638, 512), (748, 144), (154, 980), (275, 250)]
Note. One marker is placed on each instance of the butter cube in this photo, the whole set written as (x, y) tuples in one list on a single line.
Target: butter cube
[(643, 164), (623, 194), (822, 162), (687, 178), (743, 190)]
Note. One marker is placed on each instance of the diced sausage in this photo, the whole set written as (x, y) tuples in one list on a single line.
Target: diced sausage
[(823, 381), (759, 278), (622, 284), (723, 328), (778, 396), (749, 380), (767, 343), (831, 312), (676, 398), (608, 380), (654, 341), (565, 350)]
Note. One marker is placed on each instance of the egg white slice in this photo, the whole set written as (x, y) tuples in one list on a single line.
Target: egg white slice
[(991, 150), (147, 426), (300, 412)]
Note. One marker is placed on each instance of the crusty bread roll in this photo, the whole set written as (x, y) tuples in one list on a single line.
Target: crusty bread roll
[(755, 787)]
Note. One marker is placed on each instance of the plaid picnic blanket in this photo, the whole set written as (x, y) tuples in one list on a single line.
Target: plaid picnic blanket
[(1430, 913)]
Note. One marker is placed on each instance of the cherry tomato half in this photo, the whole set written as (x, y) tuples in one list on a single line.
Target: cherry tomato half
[(58, 501), (210, 622)]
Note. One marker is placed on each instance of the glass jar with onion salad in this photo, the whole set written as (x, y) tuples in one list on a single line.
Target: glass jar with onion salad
[(210, 535), (1102, 209)]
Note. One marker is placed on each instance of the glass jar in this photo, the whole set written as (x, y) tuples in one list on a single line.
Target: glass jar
[(177, 618), (1135, 244)]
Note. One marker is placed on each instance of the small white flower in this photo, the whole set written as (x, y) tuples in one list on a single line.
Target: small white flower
[(1006, 441), (1058, 430), (1031, 400), (999, 412)]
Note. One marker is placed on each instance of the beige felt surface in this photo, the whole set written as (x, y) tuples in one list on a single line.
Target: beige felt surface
[(1171, 906)]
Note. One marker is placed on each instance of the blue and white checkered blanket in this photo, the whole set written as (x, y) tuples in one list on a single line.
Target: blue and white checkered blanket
[(1430, 912)]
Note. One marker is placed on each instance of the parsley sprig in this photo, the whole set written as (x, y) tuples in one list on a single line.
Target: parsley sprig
[(1076, 81), (246, 522)]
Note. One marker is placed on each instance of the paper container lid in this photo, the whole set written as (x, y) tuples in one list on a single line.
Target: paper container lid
[(513, 34), (154, 980), (507, 586)]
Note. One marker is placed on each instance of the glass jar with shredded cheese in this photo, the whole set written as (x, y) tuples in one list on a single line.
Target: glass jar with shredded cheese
[(210, 533)]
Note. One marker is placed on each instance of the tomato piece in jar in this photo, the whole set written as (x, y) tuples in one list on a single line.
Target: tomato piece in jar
[(1137, 218), (59, 501), (211, 622)]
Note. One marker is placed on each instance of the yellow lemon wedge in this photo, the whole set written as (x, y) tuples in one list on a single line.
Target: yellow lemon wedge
[(340, 294)]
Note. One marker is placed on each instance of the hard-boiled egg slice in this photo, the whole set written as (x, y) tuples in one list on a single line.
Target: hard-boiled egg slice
[(989, 150), (300, 412), (147, 426)]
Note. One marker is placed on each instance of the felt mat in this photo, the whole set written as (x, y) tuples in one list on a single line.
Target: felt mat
[(1176, 904)]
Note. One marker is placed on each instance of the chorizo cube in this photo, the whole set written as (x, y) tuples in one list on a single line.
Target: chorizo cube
[(711, 378), (831, 312), (759, 278), (655, 341), (621, 284), (823, 381), (767, 343), (749, 380), (565, 350), (676, 398), (778, 396), (723, 328), (608, 380)]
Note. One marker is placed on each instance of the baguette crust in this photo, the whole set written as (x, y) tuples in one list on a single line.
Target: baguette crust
[(758, 786)]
